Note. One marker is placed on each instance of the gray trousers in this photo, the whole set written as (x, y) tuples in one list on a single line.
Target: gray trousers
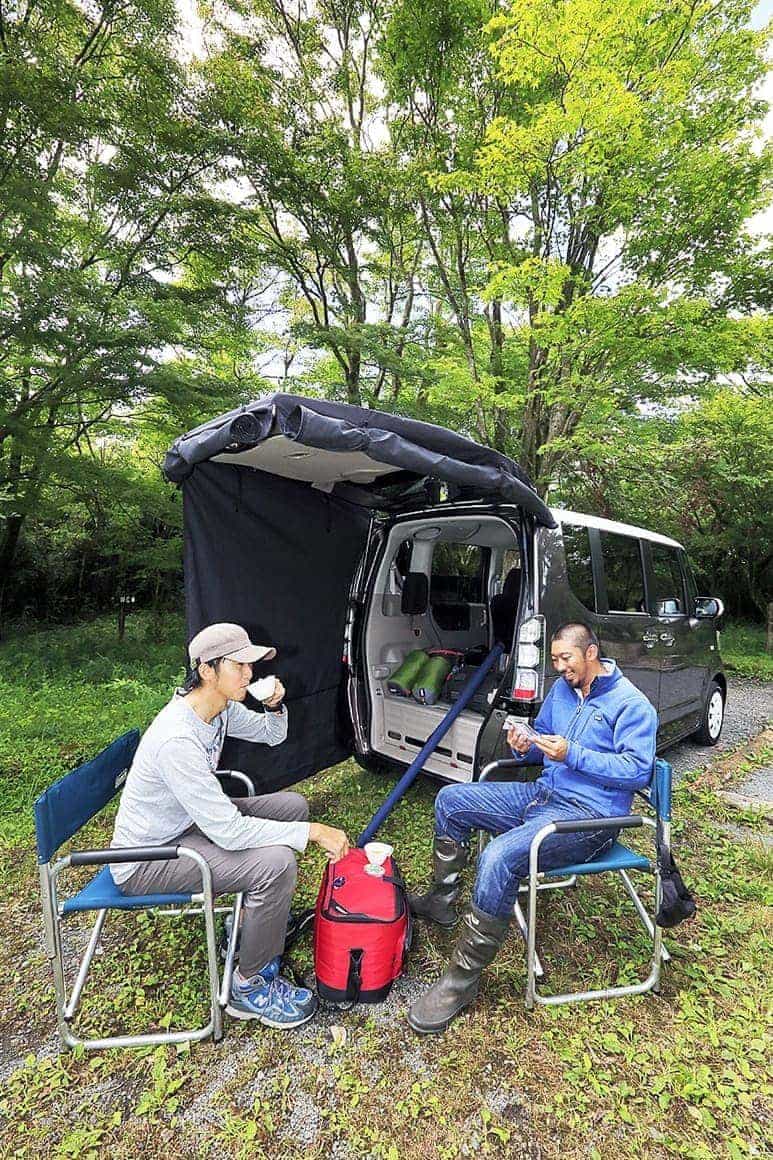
[(266, 875)]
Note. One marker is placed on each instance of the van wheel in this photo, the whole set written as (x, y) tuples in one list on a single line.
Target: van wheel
[(713, 717), (380, 766)]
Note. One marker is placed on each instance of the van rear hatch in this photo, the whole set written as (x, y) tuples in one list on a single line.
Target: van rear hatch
[(278, 496)]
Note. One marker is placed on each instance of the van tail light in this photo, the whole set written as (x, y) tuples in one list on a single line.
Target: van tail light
[(526, 684), (530, 664)]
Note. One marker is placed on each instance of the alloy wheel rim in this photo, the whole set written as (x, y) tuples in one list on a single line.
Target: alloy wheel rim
[(715, 714)]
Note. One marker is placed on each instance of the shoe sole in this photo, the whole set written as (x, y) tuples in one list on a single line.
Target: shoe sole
[(238, 1013), (435, 1030), (430, 1030)]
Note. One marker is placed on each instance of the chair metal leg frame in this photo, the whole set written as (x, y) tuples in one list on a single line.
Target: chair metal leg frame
[(230, 955), (523, 928), (186, 911), (653, 979), (642, 911), (65, 1010)]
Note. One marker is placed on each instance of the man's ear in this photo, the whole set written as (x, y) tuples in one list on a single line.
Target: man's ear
[(206, 672), (592, 652)]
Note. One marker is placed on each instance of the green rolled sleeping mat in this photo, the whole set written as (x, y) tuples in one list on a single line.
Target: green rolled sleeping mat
[(429, 684), (406, 674)]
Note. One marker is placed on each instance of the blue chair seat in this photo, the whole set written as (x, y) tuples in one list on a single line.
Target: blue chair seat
[(619, 857), (101, 893)]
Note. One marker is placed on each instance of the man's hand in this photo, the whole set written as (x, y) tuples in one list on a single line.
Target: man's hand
[(334, 842), (517, 741), (276, 698), (554, 747)]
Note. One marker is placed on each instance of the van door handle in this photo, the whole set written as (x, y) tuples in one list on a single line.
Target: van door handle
[(650, 639), (667, 638)]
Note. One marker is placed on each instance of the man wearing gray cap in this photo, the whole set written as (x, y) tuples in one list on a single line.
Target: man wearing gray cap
[(171, 793)]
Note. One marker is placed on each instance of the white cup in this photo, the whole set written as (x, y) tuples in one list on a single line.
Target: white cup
[(376, 853), (262, 689)]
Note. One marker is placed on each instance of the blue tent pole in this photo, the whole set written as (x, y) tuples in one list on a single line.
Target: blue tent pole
[(414, 769)]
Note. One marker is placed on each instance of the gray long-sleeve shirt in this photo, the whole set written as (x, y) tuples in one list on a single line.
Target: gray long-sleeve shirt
[(171, 784)]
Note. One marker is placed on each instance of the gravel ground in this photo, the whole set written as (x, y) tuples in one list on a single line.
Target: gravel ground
[(749, 710), (759, 787)]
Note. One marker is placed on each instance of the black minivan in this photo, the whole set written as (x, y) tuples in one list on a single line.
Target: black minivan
[(349, 538)]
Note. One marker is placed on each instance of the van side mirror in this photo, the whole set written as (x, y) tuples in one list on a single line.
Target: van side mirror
[(708, 607)]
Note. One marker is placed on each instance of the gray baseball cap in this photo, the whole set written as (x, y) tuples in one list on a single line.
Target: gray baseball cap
[(227, 640)]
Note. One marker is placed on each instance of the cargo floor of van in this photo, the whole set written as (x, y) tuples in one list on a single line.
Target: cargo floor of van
[(401, 727)]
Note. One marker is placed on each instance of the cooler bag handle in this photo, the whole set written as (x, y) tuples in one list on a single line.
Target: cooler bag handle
[(354, 978)]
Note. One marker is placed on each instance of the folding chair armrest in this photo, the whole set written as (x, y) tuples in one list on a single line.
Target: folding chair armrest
[(124, 854), (237, 775), (504, 763), (580, 825)]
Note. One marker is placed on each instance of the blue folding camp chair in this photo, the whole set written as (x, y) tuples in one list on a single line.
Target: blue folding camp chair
[(60, 812), (618, 860)]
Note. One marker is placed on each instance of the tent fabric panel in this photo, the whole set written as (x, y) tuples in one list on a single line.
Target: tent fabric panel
[(277, 557), (319, 717)]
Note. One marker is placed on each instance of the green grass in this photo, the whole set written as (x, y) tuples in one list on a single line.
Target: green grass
[(743, 650), (66, 692), (680, 1075)]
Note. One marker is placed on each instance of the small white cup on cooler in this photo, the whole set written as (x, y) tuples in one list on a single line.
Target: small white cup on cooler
[(377, 854)]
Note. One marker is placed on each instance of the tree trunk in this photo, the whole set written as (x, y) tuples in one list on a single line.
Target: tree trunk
[(8, 546)]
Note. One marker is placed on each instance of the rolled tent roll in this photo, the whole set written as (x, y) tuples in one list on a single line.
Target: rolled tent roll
[(407, 673), (429, 684)]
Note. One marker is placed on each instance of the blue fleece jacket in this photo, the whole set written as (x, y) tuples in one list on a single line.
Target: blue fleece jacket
[(611, 735)]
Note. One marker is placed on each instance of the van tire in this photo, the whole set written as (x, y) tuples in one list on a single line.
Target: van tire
[(380, 766), (713, 716)]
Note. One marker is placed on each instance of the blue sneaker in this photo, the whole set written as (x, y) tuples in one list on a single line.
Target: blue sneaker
[(301, 995), (270, 1001)]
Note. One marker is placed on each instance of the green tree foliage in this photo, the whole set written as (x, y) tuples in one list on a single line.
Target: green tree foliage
[(624, 159), (703, 475), (321, 205), (515, 220), (106, 177)]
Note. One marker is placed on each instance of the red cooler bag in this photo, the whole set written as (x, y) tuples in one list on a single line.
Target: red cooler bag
[(361, 931)]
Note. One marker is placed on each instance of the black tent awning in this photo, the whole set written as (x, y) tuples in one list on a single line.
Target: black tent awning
[(364, 456), (276, 499)]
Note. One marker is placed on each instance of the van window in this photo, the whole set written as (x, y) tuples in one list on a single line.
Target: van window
[(667, 595), (402, 561), (511, 559), (458, 572), (623, 573), (579, 566)]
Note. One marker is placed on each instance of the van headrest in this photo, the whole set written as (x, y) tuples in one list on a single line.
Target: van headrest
[(415, 597), (504, 608)]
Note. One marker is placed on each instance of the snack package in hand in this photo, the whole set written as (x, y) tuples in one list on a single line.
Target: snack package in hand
[(521, 727)]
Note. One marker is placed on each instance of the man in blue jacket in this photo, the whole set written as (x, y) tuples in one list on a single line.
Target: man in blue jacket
[(597, 746)]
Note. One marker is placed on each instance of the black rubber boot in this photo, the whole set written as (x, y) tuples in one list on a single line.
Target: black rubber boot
[(437, 905), (482, 936)]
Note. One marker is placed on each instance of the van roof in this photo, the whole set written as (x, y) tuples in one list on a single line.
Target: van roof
[(562, 515)]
